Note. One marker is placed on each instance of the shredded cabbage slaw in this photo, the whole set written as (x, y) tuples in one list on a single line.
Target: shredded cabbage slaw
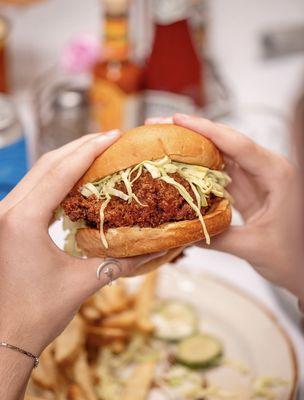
[(203, 182)]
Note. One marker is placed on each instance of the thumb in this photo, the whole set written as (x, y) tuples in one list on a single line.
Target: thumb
[(238, 240), (85, 279)]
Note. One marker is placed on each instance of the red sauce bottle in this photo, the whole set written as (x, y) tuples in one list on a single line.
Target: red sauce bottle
[(174, 71)]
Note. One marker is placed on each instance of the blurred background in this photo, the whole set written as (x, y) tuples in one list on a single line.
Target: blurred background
[(121, 61), (69, 67)]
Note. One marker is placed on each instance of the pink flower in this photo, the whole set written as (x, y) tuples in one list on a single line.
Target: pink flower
[(80, 54)]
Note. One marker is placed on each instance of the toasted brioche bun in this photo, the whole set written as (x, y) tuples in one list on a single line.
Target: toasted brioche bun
[(152, 142), (134, 241)]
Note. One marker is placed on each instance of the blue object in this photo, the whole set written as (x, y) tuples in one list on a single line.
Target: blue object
[(13, 165)]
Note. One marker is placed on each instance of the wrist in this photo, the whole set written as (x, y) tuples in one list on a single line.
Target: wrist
[(24, 337), (13, 357), (17, 349), (15, 370)]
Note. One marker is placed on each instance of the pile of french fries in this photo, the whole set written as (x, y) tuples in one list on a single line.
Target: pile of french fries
[(76, 365)]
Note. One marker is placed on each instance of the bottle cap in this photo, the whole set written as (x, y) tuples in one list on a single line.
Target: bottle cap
[(116, 7), (167, 12)]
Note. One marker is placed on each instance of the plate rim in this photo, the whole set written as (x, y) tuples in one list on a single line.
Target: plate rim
[(267, 312)]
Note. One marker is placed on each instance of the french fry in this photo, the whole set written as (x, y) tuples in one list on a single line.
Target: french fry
[(112, 299), (70, 368), (45, 375), (140, 381), (67, 345), (144, 302), (61, 395), (75, 393), (83, 377), (90, 313), (99, 335), (104, 373), (117, 346), (124, 320), (131, 300), (62, 385), (33, 391), (92, 349)]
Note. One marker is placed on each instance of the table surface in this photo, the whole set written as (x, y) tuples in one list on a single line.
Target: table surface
[(235, 28)]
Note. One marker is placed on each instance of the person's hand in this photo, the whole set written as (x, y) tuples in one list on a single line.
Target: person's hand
[(41, 287), (267, 193)]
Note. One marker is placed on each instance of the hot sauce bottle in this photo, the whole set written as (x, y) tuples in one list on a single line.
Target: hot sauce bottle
[(174, 71), (117, 80)]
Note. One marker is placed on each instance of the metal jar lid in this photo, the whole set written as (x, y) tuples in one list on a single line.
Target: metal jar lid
[(68, 97)]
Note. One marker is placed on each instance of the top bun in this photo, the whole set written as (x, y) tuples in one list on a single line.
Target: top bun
[(152, 142)]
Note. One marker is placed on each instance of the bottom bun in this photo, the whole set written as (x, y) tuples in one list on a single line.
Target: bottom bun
[(134, 241)]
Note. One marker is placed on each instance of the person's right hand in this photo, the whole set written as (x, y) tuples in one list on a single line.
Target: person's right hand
[(41, 287), (267, 192)]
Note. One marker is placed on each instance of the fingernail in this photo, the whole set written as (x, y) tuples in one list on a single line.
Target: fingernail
[(158, 120), (113, 133), (107, 135), (155, 119), (150, 121), (182, 116)]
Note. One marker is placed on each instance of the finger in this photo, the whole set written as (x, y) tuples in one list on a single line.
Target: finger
[(40, 168), (159, 120), (167, 257), (250, 156), (58, 182), (247, 197), (232, 242), (84, 273)]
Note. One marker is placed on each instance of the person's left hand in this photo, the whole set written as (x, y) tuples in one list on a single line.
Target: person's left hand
[(41, 287)]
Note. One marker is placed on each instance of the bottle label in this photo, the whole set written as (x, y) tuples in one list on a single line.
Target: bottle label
[(13, 166), (165, 104), (169, 11), (112, 108), (116, 38)]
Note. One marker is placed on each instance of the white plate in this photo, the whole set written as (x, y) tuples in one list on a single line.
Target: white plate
[(250, 333)]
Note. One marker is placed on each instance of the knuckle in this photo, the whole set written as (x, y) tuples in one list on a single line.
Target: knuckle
[(57, 171), (10, 221), (28, 213), (45, 158), (285, 170), (2, 209), (207, 123), (17, 218), (245, 144), (222, 126), (89, 146), (127, 265), (81, 152)]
